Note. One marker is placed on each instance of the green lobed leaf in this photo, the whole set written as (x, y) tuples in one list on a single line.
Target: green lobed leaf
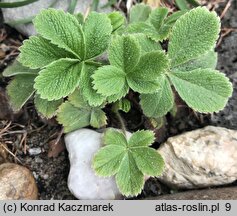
[(128, 160), (192, 35), (58, 79), (16, 68), (62, 29), (129, 178), (139, 13), (90, 94), (98, 118), (121, 94), (124, 52), (170, 20), (76, 113), (37, 52), (47, 108), (204, 90), (77, 99), (97, 30), (148, 161), (208, 60), (114, 137), (159, 103), (143, 28), (123, 104), (157, 17), (141, 139), (72, 118), (20, 89), (109, 80), (107, 164), (145, 77), (147, 45), (117, 20)]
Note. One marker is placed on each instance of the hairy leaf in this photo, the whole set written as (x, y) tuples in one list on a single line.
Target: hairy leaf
[(90, 94), (204, 90), (128, 160), (76, 113), (129, 178), (77, 99), (147, 45), (157, 17), (193, 34), (58, 80), (149, 161), (143, 28), (121, 94), (98, 118), (141, 139), (62, 29), (38, 52), (170, 20), (144, 78), (104, 162), (114, 137), (109, 80), (123, 104), (47, 108), (208, 60), (20, 90), (16, 68), (117, 20), (124, 53), (72, 118), (139, 13), (159, 103), (97, 30)]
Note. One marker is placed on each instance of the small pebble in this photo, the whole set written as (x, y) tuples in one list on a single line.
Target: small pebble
[(34, 151)]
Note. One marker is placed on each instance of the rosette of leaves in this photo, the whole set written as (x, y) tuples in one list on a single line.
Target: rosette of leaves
[(188, 65), (129, 159), (60, 59)]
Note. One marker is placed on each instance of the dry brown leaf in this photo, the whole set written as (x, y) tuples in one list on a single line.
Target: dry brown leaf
[(56, 147)]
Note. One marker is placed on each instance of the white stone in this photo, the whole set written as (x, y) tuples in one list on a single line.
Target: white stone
[(201, 158), (13, 14), (82, 181)]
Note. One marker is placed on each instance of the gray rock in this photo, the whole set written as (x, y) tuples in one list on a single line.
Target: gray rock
[(82, 181), (200, 158), (13, 14)]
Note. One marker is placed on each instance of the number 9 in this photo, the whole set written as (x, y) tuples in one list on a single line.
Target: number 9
[(227, 206)]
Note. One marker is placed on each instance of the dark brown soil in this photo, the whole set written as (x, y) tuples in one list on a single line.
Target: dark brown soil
[(51, 173)]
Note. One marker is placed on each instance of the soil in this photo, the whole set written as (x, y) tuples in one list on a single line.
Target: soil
[(29, 135)]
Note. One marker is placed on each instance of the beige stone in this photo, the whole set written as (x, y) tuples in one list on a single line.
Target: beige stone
[(200, 158), (17, 183)]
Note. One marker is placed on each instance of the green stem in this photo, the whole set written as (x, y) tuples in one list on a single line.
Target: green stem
[(16, 3)]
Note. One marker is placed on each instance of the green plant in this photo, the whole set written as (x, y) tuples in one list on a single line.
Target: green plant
[(62, 70)]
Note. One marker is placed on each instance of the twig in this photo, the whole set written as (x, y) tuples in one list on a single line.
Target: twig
[(5, 129), (16, 158), (225, 9)]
